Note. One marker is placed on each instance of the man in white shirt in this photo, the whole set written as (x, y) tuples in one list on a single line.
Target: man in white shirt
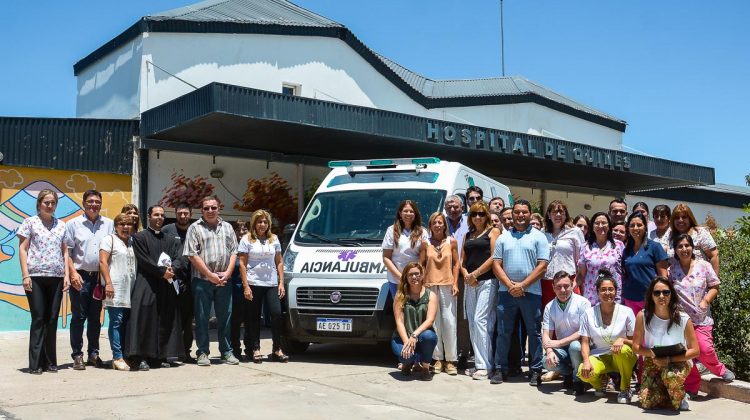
[(562, 318)]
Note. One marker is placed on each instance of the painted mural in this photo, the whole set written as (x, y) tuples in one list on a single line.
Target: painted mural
[(18, 191)]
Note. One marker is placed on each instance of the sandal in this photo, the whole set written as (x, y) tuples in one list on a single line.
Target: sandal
[(257, 358), (281, 358)]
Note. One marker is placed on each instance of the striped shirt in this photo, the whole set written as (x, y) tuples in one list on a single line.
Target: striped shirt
[(214, 244)]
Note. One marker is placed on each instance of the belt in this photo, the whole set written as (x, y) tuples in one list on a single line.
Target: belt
[(89, 273)]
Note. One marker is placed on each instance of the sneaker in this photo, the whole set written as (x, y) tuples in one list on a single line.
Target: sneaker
[(728, 376), (78, 363), (230, 359), (599, 393), (437, 367), (451, 368), (470, 371), (550, 376), (702, 369), (203, 360), (624, 397), (95, 360), (684, 405), (535, 379), (480, 375), (497, 378), (119, 364)]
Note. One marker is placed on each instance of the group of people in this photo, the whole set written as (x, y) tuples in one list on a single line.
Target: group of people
[(593, 306), (154, 284)]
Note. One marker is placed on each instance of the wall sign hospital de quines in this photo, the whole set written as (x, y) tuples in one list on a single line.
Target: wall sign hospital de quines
[(493, 140)]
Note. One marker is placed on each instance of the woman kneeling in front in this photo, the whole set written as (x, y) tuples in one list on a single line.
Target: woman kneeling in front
[(607, 340), (665, 337), (414, 308)]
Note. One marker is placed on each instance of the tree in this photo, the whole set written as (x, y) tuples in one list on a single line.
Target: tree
[(273, 194)]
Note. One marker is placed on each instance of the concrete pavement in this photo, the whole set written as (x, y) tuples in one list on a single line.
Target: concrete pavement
[(327, 382)]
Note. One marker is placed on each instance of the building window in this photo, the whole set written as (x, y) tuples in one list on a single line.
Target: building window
[(291, 89)]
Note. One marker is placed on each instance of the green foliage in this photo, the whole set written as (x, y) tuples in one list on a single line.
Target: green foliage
[(743, 223), (731, 309)]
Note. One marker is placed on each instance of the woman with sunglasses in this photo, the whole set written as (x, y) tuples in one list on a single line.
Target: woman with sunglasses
[(697, 285), (661, 327), (439, 257), (565, 242), (480, 290)]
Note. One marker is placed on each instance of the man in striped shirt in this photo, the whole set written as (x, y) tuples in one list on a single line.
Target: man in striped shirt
[(211, 247)]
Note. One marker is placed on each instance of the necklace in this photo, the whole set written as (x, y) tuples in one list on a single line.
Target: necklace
[(607, 332)]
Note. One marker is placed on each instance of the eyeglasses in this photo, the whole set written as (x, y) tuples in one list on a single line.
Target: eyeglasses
[(413, 274), (662, 292), (478, 214), (210, 208)]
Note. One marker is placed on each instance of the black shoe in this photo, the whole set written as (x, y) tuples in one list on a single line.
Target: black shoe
[(281, 358), (578, 388), (514, 371), (568, 382), (143, 366), (165, 365), (406, 368), (52, 369), (425, 375), (78, 363), (535, 379), (188, 359), (497, 377), (37, 371)]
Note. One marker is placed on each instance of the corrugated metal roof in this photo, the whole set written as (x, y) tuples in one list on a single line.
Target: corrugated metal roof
[(73, 144), (281, 17), (726, 188), (276, 12)]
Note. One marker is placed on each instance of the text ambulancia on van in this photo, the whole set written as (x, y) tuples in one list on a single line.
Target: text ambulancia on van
[(337, 286)]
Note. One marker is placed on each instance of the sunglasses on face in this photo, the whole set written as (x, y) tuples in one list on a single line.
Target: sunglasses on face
[(474, 198), (479, 214), (662, 292), (207, 208)]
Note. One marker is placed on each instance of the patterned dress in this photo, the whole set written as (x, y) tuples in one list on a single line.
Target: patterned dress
[(594, 259)]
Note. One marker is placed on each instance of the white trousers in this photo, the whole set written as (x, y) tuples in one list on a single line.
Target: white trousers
[(445, 324), (480, 304)]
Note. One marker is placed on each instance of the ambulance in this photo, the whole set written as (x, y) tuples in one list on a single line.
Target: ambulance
[(333, 266)]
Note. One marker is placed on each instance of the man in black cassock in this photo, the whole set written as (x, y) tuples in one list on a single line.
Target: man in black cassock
[(154, 331)]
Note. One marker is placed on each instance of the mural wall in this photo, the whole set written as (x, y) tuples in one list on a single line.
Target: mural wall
[(18, 191)]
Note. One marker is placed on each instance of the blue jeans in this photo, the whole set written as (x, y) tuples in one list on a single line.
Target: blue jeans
[(85, 308), (529, 306), (568, 360), (206, 293), (393, 288), (426, 343), (118, 321)]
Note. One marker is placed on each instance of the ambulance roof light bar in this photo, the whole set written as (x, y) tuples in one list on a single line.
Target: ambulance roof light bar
[(376, 164)]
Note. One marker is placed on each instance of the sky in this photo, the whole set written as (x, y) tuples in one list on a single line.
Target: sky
[(677, 72)]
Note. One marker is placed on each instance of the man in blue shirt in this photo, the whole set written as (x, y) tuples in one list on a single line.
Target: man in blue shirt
[(520, 260)]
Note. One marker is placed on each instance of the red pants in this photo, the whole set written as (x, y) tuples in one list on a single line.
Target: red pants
[(707, 356)]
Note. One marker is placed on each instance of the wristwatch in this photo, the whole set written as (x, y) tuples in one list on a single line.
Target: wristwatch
[(413, 335)]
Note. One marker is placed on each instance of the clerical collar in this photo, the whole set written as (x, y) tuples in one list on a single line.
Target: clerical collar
[(155, 231)]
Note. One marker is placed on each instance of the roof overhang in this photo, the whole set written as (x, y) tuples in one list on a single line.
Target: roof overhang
[(232, 118)]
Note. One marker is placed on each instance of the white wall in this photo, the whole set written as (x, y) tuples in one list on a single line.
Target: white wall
[(725, 216), (326, 69), (110, 88), (236, 173)]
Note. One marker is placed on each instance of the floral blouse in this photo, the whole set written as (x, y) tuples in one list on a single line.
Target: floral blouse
[(692, 288), (45, 255), (702, 240), (594, 259)]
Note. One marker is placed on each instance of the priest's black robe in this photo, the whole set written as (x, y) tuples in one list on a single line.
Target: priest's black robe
[(154, 330)]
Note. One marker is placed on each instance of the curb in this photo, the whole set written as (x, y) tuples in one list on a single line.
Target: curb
[(716, 387)]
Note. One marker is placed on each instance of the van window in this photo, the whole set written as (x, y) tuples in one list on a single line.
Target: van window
[(360, 217)]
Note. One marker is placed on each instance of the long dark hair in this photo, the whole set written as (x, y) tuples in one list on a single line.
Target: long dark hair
[(416, 226), (591, 236), (674, 306), (630, 242)]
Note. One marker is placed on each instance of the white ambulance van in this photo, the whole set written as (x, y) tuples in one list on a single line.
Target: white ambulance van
[(333, 266)]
